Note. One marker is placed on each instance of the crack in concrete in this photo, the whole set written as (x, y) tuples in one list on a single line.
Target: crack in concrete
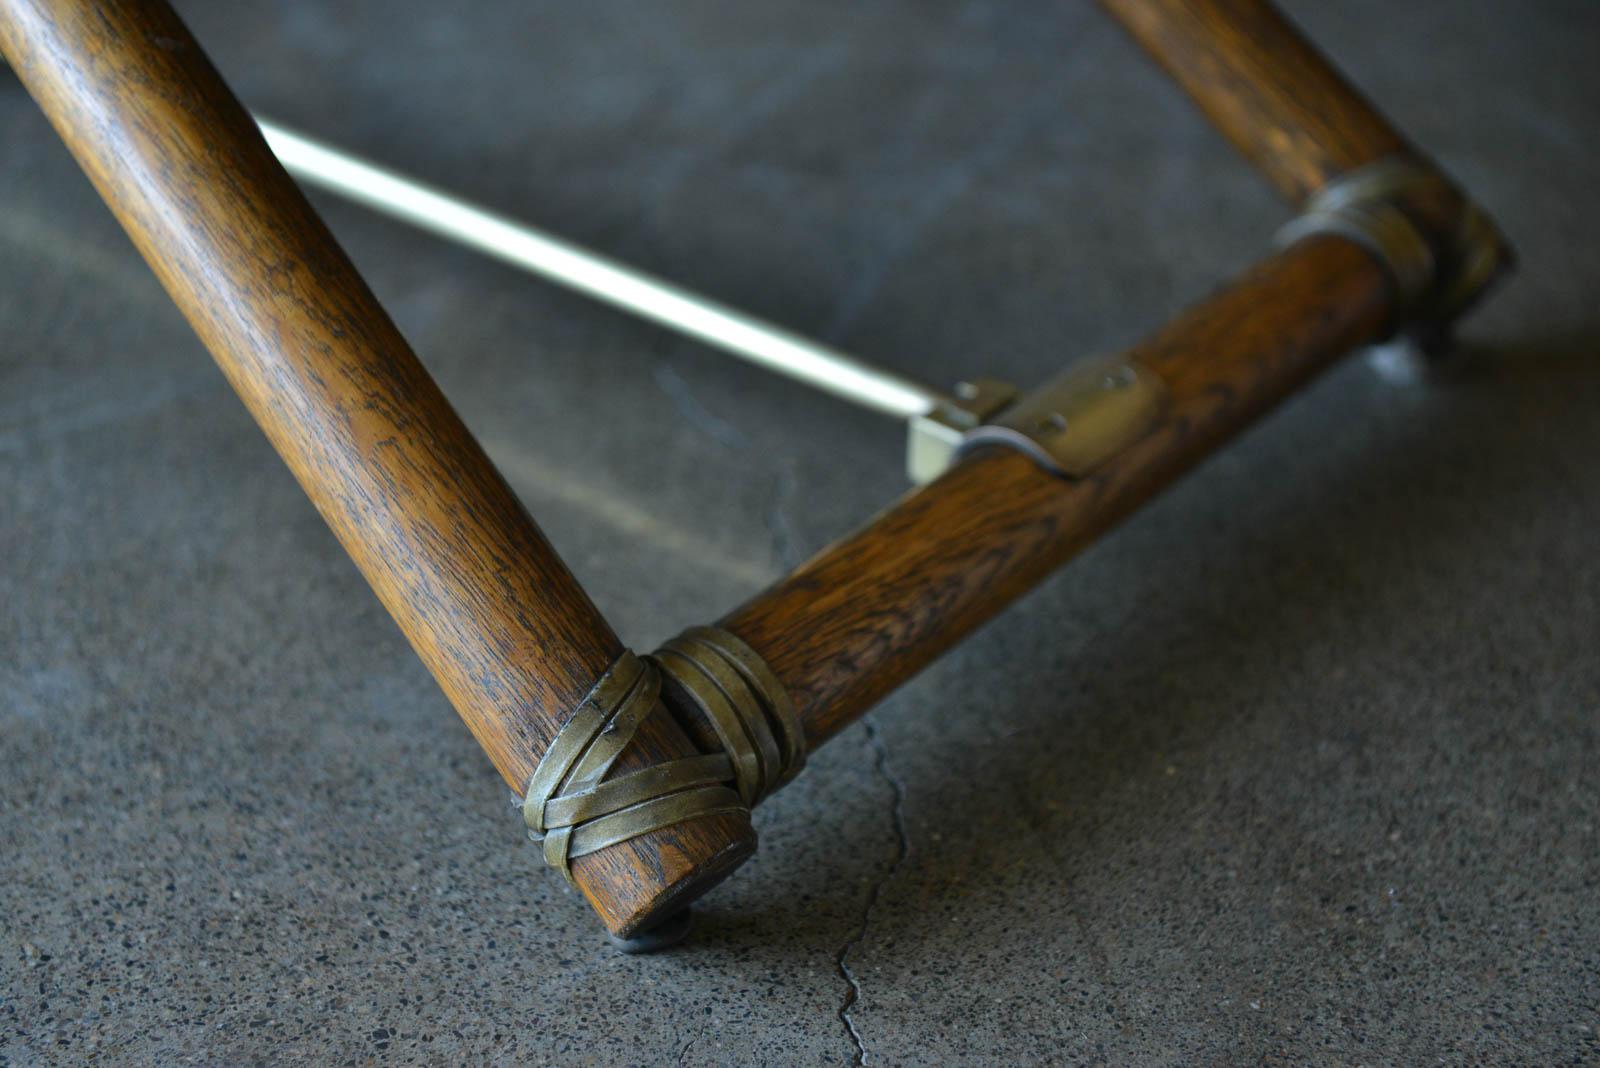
[(687, 1046), (841, 959), (784, 547)]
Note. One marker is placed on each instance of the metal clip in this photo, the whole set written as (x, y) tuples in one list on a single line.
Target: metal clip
[(935, 437), (1081, 419)]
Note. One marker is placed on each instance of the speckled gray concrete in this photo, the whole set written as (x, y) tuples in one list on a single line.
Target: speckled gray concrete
[(1299, 767)]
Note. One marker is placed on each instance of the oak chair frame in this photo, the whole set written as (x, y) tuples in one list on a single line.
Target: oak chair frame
[(491, 609)]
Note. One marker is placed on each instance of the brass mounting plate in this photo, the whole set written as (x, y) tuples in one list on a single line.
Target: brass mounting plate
[(1078, 421)]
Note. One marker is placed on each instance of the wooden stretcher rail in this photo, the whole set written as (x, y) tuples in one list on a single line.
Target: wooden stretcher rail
[(868, 612), (871, 610), (484, 599)]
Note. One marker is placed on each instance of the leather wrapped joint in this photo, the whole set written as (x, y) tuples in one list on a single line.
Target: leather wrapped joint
[(1440, 251), (573, 809)]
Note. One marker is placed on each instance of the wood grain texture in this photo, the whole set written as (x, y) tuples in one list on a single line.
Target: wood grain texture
[(866, 613), (1265, 86), (485, 601)]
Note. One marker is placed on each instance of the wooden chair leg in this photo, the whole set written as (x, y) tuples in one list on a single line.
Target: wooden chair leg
[(1289, 111), (1265, 87), (486, 602)]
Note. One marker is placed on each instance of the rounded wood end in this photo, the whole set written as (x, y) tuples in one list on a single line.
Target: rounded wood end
[(642, 882)]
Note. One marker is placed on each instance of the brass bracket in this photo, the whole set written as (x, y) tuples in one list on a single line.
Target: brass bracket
[(1081, 419), (1071, 425)]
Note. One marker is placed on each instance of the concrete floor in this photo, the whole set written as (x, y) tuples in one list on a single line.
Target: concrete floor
[(1297, 768)]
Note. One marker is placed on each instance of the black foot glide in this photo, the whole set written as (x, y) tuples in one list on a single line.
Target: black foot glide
[(664, 935)]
